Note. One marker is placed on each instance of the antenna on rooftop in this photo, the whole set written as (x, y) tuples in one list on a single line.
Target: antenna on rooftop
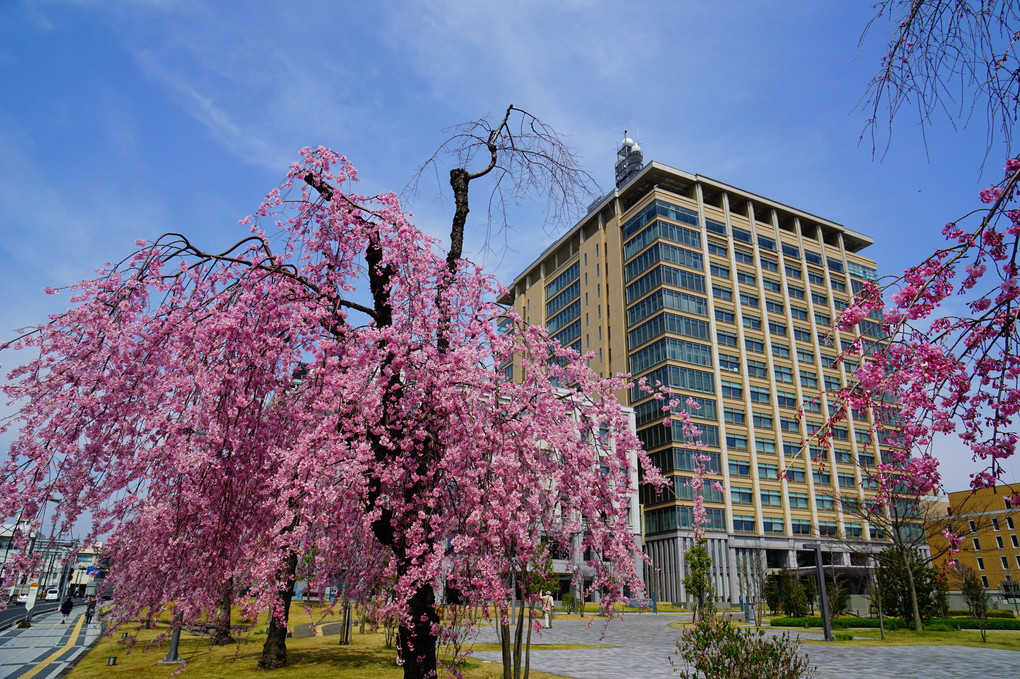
[(629, 160)]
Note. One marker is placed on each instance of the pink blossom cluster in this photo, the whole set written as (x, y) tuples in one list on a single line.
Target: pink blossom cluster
[(938, 373)]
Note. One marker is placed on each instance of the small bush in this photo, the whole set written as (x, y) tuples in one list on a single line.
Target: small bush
[(939, 626), (844, 637), (714, 649)]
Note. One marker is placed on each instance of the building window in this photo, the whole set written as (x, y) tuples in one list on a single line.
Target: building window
[(747, 278), (800, 527), (768, 471), (736, 441), (972, 525), (825, 503), (764, 422), (827, 528), (774, 306), (771, 497), (757, 368), (981, 563), (977, 545), (732, 389), (798, 501), (741, 495), (1012, 538), (720, 292), (808, 378), (743, 256), (777, 328), (752, 322), (795, 291), (795, 474), (729, 362), (995, 524), (719, 270), (733, 415), (743, 524), (798, 312), (772, 286), (754, 345), (781, 350), (771, 525), (748, 300), (724, 315), (765, 445), (739, 468), (1005, 562), (783, 374), (717, 248), (1009, 522), (998, 542)]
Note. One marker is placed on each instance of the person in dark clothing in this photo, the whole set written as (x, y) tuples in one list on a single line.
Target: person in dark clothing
[(89, 612), (65, 609)]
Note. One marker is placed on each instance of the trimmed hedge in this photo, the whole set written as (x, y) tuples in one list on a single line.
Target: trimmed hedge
[(940, 624), (994, 613)]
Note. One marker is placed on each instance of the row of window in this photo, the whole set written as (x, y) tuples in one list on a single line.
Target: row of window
[(665, 275), (663, 252), (671, 323), (666, 299), (670, 348), (651, 411), (665, 231)]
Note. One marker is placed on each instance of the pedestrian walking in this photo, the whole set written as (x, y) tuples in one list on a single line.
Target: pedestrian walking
[(547, 608), (89, 612), (65, 609)]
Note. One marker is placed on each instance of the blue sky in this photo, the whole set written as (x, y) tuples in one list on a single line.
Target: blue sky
[(128, 119)]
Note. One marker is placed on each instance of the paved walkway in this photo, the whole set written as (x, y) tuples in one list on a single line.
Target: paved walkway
[(47, 647), (644, 643)]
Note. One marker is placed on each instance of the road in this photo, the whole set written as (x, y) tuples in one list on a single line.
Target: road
[(15, 613)]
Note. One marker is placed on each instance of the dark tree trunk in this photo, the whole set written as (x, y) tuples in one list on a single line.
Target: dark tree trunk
[(416, 640), (274, 651), (221, 635)]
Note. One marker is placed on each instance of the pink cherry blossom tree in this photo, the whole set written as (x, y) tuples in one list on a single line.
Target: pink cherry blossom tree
[(942, 339), (324, 400)]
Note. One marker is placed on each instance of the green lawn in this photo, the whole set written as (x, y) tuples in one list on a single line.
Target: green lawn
[(307, 658)]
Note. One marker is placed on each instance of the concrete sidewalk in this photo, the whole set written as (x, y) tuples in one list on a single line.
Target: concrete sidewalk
[(643, 644), (48, 647)]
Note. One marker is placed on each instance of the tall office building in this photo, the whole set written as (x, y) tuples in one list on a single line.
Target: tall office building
[(729, 298)]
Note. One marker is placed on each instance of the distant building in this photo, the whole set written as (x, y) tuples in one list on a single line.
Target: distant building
[(52, 553), (728, 297), (991, 541)]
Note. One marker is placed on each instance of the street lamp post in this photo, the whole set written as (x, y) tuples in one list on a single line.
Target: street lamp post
[(822, 594), (172, 657)]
